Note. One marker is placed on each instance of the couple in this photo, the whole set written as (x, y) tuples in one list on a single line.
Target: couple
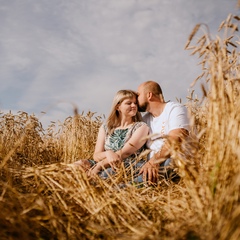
[(125, 134)]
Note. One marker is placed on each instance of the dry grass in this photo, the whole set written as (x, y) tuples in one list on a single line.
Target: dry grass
[(40, 199)]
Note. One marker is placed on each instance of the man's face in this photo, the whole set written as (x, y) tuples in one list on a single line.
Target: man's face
[(142, 99)]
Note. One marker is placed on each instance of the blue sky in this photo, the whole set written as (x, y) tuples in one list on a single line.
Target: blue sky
[(63, 53)]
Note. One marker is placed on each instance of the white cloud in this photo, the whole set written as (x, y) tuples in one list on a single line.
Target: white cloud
[(82, 52)]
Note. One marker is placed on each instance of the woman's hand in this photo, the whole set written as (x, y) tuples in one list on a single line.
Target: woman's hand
[(95, 169), (112, 159)]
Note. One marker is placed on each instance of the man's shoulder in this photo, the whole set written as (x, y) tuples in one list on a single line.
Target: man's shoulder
[(175, 106)]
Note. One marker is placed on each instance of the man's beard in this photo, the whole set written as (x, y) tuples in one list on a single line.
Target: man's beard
[(143, 107)]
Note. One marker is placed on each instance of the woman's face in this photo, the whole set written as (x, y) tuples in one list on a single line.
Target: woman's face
[(128, 107)]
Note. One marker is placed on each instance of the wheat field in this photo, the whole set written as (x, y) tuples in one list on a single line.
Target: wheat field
[(41, 197)]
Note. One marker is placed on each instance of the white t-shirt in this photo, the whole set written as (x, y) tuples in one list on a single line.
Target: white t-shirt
[(173, 116)]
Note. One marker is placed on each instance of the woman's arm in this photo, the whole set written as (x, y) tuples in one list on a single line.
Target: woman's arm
[(110, 158), (99, 152), (137, 140)]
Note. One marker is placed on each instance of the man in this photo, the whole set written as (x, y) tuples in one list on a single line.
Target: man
[(164, 119)]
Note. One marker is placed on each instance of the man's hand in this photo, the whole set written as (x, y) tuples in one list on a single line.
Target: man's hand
[(149, 172)]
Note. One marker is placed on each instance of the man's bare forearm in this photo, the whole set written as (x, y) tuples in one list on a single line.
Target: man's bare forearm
[(175, 137)]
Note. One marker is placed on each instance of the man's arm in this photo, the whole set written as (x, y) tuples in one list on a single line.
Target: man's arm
[(150, 169)]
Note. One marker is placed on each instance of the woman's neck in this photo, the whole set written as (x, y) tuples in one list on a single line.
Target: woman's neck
[(125, 123)]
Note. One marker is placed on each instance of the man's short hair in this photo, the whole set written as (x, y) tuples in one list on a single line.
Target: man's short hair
[(154, 87)]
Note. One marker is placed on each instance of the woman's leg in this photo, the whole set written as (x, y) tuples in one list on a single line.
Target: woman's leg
[(104, 174)]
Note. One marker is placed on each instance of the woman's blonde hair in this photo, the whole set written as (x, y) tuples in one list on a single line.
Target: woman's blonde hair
[(113, 119)]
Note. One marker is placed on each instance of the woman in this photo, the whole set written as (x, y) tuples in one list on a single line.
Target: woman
[(120, 139)]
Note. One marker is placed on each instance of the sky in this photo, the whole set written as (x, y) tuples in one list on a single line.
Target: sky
[(60, 54)]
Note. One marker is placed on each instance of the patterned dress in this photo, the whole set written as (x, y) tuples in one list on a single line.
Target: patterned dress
[(119, 137), (115, 142)]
